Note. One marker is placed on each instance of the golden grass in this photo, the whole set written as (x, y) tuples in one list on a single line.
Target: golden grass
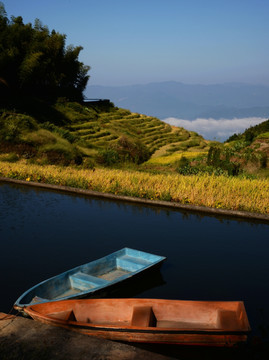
[(204, 190), (171, 159)]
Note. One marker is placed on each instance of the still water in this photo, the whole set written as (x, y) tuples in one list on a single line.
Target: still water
[(43, 233)]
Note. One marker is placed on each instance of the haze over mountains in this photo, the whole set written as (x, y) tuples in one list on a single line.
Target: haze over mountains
[(175, 102)]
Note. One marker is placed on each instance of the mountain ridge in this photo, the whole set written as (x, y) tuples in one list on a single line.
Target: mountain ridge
[(188, 101)]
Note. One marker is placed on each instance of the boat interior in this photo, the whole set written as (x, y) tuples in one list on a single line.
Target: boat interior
[(99, 275), (156, 316)]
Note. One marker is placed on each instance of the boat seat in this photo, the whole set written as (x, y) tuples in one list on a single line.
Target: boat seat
[(83, 281), (143, 316), (131, 263), (63, 315), (228, 319)]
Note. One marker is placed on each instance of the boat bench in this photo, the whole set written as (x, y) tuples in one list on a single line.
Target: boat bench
[(66, 315), (131, 263), (83, 281), (143, 316), (228, 319)]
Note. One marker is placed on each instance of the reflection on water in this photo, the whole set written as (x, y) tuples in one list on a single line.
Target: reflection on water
[(43, 233)]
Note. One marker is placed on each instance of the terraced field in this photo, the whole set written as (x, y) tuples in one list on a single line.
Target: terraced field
[(105, 129), (95, 134)]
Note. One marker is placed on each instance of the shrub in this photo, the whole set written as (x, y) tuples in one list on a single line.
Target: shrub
[(131, 150), (13, 125), (263, 161), (10, 158), (89, 163), (233, 168), (107, 157), (40, 137), (62, 153), (201, 169), (213, 157), (183, 162)]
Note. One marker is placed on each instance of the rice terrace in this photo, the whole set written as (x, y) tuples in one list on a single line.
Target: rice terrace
[(102, 148)]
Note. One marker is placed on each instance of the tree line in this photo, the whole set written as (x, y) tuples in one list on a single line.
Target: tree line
[(36, 62)]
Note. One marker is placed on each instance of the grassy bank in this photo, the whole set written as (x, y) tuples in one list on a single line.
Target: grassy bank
[(218, 192)]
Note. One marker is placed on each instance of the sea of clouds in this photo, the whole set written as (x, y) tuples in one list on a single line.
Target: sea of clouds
[(212, 129)]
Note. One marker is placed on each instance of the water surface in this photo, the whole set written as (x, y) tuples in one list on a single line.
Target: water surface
[(43, 233)]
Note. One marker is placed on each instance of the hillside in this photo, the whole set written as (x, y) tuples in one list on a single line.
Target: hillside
[(251, 133), (97, 134), (90, 133), (248, 151)]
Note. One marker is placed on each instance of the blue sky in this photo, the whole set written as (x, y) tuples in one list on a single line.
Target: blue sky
[(141, 41)]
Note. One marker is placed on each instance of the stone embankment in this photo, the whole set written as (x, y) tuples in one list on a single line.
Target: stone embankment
[(168, 204)]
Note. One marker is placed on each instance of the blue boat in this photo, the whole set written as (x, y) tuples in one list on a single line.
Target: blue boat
[(90, 278)]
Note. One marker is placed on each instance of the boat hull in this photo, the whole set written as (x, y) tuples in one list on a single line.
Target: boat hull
[(154, 337), (150, 320)]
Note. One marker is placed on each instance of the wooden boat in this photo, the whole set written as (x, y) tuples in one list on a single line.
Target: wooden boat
[(215, 323), (90, 278)]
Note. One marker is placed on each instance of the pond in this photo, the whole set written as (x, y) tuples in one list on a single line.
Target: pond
[(43, 233)]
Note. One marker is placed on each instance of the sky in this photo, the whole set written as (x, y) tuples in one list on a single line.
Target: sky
[(129, 42)]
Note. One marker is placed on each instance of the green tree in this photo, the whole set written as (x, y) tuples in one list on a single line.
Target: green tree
[(36, 62)]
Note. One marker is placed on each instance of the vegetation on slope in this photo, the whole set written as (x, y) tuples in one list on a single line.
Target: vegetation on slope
[(223, 192), (251, 133), (247, 152), (92, 134)]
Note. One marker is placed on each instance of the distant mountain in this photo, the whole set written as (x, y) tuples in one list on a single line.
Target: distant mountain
[(185, 101)]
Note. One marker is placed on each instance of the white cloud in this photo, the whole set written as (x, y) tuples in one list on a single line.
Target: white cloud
[(216, 129)]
